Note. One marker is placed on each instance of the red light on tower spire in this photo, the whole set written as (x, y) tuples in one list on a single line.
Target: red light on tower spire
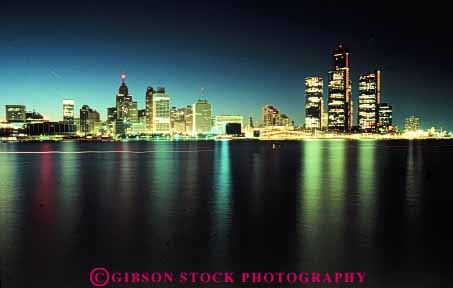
[(123, 76)]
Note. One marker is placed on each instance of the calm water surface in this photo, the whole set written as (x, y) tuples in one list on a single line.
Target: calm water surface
[(323, 205)]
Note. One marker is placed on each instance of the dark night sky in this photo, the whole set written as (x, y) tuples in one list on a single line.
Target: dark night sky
[(245, 53)]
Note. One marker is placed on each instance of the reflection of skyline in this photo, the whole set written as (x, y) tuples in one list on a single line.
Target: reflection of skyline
[(171, 209)]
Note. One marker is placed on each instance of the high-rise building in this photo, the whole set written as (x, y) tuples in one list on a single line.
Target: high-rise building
[(314, 103), (340, 107), (161, 111), (149, 108), (15, 113), (89, 120), (126, 109), (369, 100), (412, 124), (271, 116), (385, 121), (68, 110), (202, 119), (221, 121)]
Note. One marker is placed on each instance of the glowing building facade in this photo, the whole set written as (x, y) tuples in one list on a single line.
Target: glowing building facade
[(161, 111), (340, 109), (369, 100), (15, 113), (412, 124), (202, 119), (221, 122), (385, 121), (314, 103), (271, 116), (68, 110)]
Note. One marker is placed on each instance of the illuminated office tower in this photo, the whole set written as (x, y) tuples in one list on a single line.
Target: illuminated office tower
[(161, 111), (412, 124), (68, 110), (271, 116), (339, 104), (89, 120), (314, 103), (15, 113), (369, 100), (126, 109), (385, 121), (149, 108), (202, 119)]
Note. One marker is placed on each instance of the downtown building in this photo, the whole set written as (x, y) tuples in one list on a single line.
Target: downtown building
[(385, 121), (201, 117), (90, 121), (412, 124), (340, 109), (68, 111), (314, 103), (369, 101), (222, 122), (15, 113), (160, 111), (271, 116), (126, 109)]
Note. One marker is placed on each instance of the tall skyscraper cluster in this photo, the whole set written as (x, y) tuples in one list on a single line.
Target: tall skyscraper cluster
[(373, 116), (157, 117)]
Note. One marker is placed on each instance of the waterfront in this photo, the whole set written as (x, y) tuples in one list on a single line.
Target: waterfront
[(318, 205)]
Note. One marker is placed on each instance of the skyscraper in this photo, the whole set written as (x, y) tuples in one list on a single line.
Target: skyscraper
[(385, 121), (161, 111), (15, 113), (202, 119), (149, 108), (340, 108), (314, 103), (271, 116), (68, 110), (89, 120), (369, 100), (126, 109)]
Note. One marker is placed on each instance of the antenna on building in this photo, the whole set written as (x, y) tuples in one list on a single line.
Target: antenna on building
[(202, 93)]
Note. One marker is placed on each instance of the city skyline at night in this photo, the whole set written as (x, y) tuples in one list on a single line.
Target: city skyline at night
[(239, 52)]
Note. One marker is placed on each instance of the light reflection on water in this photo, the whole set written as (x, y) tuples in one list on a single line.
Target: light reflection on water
[(312, 205)]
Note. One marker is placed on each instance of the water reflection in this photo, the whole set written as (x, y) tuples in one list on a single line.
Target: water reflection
[(367, 187), (9, 209), (222, 200), (312, 160)]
